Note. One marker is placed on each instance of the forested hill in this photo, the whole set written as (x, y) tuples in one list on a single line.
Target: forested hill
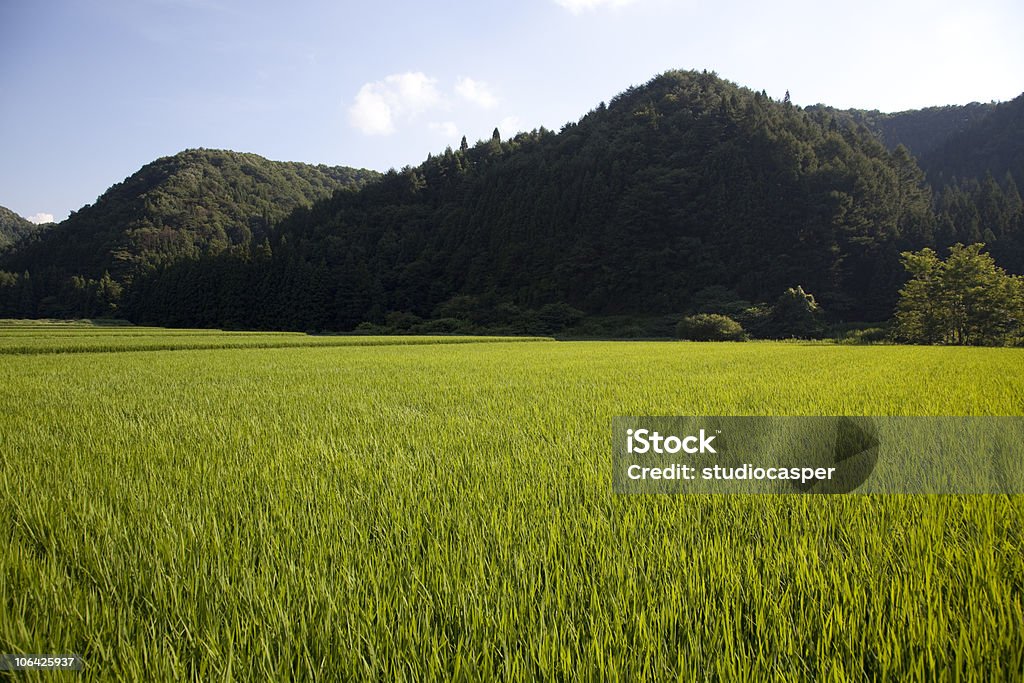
[(685, 190), (992, 145), (13, 227), (954, 144), (919, 130), (684, 184), (195, 203), (973, 158)]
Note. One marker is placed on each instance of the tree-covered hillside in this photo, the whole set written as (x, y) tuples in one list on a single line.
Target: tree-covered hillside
[(992, 145), (686, 183), (973, 158), (13, 227), (195, 203), (687, 194), (919, 130)]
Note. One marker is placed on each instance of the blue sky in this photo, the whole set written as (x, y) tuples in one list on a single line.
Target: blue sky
[(90, 90)]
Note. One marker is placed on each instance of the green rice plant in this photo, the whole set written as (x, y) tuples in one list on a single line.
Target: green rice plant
[(37, 339), (444, 512)]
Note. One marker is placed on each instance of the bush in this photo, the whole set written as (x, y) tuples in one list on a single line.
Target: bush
[(756, 320), (442, 326), (868, 335), (370, 328), (399, 322), (718, 299), (709, 327), (861, 333), (557, 317), (796, 314)]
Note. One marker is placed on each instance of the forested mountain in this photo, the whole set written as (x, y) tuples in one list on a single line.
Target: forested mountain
[(974, 172), (687, 193), (195, 203), (686, 183), (919, 130), (992, 145), (973, 158), (13, 227)]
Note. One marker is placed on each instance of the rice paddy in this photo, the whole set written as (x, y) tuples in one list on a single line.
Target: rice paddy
[(293, 511)]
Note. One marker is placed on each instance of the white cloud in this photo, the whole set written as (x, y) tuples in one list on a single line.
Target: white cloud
[(39, 218), (371, 112), (476, 92), (509, 126), (580, 6), (415, 91), (446, 129), (398, 96)]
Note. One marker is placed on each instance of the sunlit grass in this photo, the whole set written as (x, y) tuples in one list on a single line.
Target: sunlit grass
[(439, 511), (31, 338)]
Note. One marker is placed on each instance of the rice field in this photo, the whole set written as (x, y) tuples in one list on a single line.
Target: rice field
[(444, 512), (23, 337)]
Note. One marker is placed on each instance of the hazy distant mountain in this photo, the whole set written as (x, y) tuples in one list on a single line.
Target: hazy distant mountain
[(198, 202), (993, 144), (919, 130), (953, 144)]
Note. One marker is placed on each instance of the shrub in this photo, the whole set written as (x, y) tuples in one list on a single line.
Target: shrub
[(709, 327), (756, 320), (796, 314), (401, 321), (442, 326), (557, 317), (370, 328), (863, 335), (718, 299)]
